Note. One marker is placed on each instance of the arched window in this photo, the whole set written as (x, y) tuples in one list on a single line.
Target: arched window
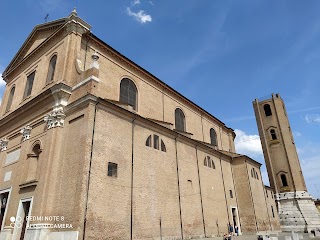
[(273, 134), (148, 142), (252, 172), (257, 176), (128, 93), (284, 180), (267, 110), (213, 137), (163, 146), (154, 141), (9, 103), (179, 120), (52, 68)]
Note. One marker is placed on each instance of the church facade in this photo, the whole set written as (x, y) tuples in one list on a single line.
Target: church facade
[(95, 147)]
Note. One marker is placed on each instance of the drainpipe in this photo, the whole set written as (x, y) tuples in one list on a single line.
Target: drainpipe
[(89, 173), (204, 225), (132, 153), (175, 139)]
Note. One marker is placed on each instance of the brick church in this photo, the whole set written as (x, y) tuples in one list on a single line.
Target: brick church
[(93, 146)]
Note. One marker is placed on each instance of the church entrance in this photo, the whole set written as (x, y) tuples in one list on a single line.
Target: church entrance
[(235, 219)]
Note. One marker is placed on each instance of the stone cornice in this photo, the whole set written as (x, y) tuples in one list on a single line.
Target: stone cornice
[(43, 98)]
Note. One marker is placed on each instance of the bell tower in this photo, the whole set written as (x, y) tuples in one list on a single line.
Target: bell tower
[(295, 205)]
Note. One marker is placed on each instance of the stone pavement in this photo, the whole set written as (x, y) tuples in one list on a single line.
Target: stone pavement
[(281, 236)]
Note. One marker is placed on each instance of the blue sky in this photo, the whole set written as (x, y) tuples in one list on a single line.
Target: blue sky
[(219, 54)]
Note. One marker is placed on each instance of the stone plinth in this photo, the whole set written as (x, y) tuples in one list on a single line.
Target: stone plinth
[(297, 212)]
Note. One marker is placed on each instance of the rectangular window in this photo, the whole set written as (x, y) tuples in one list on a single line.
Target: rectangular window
[(112, 169), (28, 89)]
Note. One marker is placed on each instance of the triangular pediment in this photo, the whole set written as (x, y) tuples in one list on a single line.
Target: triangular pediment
[(42, 33), (39, 34)]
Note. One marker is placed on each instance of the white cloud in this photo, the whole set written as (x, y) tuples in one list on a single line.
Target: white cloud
[(297, 134), (2, 82), (140, 16), (136, 2), (151, 3), (249, 145), (312, 118), (310, 168)]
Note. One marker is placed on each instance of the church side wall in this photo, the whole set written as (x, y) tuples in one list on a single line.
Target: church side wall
[(258, 196), (154, 101), (213, 196), (163, 184), (272, 210), (109, 198), (245, 203)]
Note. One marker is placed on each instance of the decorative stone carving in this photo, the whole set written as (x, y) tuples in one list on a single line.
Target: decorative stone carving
[(61, 94), (26, 132), (55, 118), (4, 144), (95, 59), (78, 64)]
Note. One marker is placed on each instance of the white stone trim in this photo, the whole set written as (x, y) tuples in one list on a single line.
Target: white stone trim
[(26, 132), (91, 78), (7, 176), (4, 144), (19, 212), (8, 201)]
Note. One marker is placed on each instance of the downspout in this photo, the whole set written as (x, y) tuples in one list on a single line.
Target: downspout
[(131, 210), (204, 225), (175, 139), (224, 189), (265, 198), (89, 172)]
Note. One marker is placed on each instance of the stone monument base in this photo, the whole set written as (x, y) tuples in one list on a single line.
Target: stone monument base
[(297, 212)]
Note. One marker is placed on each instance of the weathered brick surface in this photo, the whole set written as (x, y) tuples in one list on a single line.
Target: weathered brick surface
[(170, 194)]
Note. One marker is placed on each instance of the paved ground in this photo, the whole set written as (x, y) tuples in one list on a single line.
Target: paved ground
[(281, 236)]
